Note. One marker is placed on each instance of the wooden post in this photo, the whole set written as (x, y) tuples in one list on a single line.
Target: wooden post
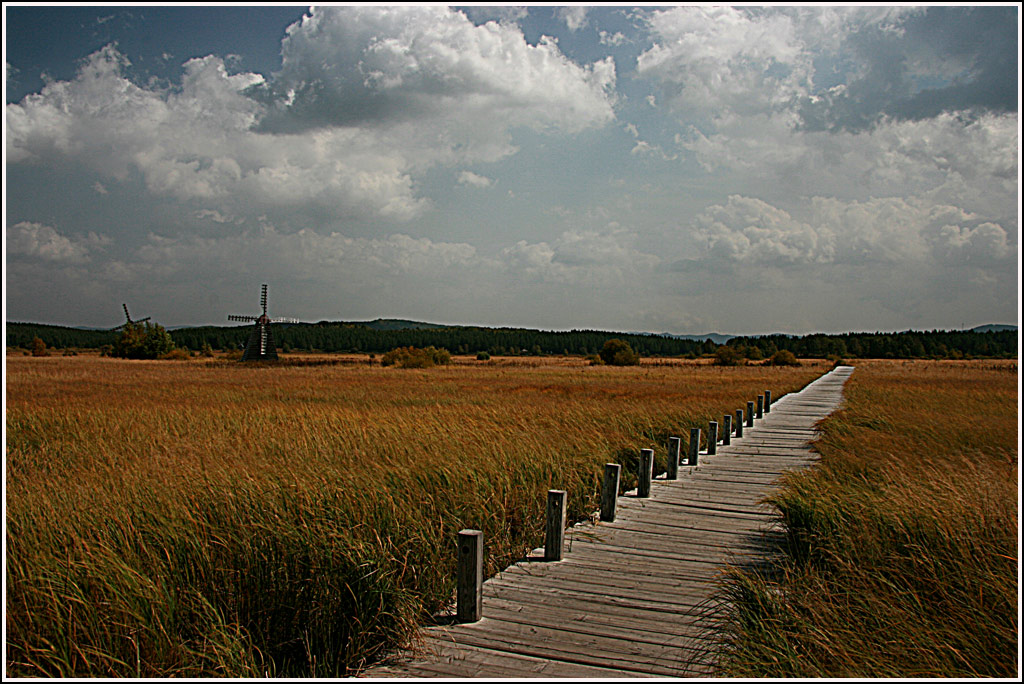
[(691, 459), (750, 414), (712, 437), (760, 406), (767, 401), (739, 423), (554, 539), (643, 487), (672, 471), (469, 596), (610, 491), (726, 430)]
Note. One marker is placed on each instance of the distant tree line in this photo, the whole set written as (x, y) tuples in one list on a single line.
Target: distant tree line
[(348, 337), (935, 344)]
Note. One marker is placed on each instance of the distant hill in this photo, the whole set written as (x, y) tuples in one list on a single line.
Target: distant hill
[(717, 338), (393, 324), (993, 327)]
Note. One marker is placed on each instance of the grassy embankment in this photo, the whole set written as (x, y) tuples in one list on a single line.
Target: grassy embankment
[(901, 555), (202, 518)]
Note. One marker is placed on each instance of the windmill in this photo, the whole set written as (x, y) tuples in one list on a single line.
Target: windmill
[(129, 320), (261, 342)]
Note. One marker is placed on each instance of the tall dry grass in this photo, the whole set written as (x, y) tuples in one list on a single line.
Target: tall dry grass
[(901, 552), (205, 519)]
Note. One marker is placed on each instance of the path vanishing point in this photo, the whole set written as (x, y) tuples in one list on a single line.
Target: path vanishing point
[(629, 597)]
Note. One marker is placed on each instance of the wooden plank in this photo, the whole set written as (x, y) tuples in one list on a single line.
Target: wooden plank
[(659, 616), (448, 659), (611, 620), (551, 644)]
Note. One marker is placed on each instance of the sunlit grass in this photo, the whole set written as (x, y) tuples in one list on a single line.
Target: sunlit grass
[(204, 518), (901, 555)]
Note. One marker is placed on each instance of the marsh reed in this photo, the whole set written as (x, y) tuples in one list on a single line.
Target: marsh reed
[(900, 557), (198, 518)]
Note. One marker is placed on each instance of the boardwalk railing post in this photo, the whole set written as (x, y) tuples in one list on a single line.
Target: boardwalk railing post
[(726, 430), (469, 596), (643, 487), (610, 491), (691, 457), (767, 401), (760, 406), (672, 470), (554, 538), (750, 414), (712, 437), (739, 423)]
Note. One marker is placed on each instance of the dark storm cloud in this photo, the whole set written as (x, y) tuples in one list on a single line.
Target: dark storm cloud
[(942, 60)]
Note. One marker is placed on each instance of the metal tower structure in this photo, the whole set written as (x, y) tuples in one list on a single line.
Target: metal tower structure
[(261, 341)]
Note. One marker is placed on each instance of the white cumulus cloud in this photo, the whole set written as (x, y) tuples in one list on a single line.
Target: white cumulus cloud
[(884, 231), (475, 179), (366, 98), (31, 239)]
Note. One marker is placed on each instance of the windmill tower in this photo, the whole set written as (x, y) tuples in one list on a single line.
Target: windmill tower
[(129, 320), (261, 342)]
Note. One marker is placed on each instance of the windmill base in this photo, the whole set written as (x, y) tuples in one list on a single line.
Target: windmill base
[(252, 347)]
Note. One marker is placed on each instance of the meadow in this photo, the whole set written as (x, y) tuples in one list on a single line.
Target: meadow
[(210, 518), (901, 552)]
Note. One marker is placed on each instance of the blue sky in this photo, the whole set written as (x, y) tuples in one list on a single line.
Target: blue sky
[(680, 168)]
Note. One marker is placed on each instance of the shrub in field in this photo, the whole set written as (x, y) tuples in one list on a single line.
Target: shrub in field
[(783, 357), (483, 356), (616, 352), (39, 347), (143, 341), (726, 356), (414, 357), (900, 555)]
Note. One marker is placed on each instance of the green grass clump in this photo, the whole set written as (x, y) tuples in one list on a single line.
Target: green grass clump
[(900, 550)]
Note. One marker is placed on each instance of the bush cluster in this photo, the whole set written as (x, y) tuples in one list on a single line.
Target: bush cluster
[(143, 341), (727, 356), (616, 352), (783, 357), (413, 357)]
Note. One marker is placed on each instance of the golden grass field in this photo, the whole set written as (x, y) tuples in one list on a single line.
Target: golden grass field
[(211, 518), (902, 550)]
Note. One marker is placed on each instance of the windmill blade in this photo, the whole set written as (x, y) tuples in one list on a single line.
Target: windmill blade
[(283, 319), (263, 298), (263, 340), (246, 319), (126, 312), (142, 320)]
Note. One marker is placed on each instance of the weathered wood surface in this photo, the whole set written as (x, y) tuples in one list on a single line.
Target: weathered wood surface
[(629, 596)]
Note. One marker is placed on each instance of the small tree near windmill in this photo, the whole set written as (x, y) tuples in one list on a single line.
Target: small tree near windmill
[(141, 340), (261, 341)]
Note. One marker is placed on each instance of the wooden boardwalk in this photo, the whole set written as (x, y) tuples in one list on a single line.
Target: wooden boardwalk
[(629, 597)]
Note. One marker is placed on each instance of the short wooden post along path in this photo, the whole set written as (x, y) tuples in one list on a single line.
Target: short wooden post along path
[(627, 598), (691, 458)]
